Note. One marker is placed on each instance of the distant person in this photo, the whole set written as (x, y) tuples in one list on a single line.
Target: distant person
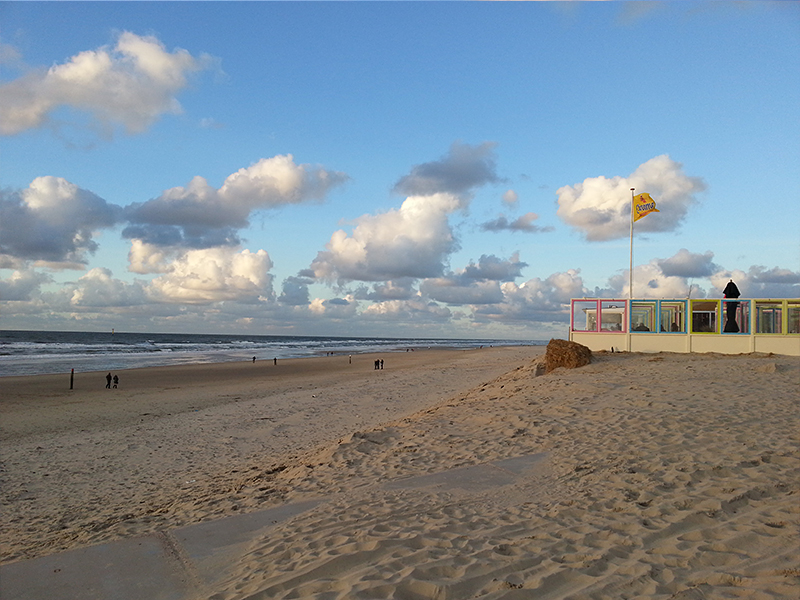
[(377, 364), (116, 380), (381, 364), (254, 360), (108, 381), (275, 361), (351, 359)]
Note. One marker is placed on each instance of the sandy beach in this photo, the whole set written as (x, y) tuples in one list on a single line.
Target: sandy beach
[(655, 476)]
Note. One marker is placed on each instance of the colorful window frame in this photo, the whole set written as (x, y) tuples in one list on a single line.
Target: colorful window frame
[(770, 316), (735, 316), (673, 316), (705, 316), (644, 316), (792, 316), (608, 316)]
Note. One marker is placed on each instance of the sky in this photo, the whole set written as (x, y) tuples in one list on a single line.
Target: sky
[(402, 169)]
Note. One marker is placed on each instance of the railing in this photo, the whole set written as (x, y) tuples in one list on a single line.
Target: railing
[(688, 325)]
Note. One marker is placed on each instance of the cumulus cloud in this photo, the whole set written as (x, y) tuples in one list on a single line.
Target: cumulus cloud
[(600, 207), (536, 300), (200, 216), (476, 283), (215, 275), (412, 241), (688, 264), (415, 240), (464, 167), (22, 285), (54, 221), (99, 289), (131, 84), (523, 223)]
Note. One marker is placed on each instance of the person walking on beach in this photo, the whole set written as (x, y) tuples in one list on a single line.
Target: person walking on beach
[(108, 381), (116, 380)]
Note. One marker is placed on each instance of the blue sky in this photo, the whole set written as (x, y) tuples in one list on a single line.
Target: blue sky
[(442, 169)]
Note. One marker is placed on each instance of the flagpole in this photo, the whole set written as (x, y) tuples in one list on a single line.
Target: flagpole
[(630, 271)]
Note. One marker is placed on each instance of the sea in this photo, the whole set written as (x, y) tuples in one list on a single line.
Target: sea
[(47, 352)]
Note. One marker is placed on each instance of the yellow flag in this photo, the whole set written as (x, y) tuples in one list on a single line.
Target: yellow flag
[(643, 205)]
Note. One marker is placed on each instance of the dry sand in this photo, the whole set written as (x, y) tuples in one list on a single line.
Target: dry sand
[(663, 476)]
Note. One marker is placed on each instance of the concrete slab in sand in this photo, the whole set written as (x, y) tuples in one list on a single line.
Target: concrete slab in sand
[(475, 478), (174, 565), (180, 564)]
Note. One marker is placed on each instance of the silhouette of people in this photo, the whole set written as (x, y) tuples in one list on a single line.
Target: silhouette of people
[(116, 380), (377, 364), (731, 291), (381, 363), (108, 381), (254, 359), (275, 361)]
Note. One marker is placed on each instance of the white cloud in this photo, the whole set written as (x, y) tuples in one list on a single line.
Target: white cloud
[(215, 275), (600, 207), (99, 289), (147, 258), (132, 84), (412, 241), (415, 310), (199, 216), (52, 220), (538, 300)]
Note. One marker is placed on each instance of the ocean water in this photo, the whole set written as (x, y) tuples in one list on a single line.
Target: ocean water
[(44, 352)]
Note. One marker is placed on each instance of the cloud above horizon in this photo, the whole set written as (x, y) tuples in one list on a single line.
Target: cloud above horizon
[(53, 221), (599, 207), (200, 216), (132, 85), (412, 241)]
